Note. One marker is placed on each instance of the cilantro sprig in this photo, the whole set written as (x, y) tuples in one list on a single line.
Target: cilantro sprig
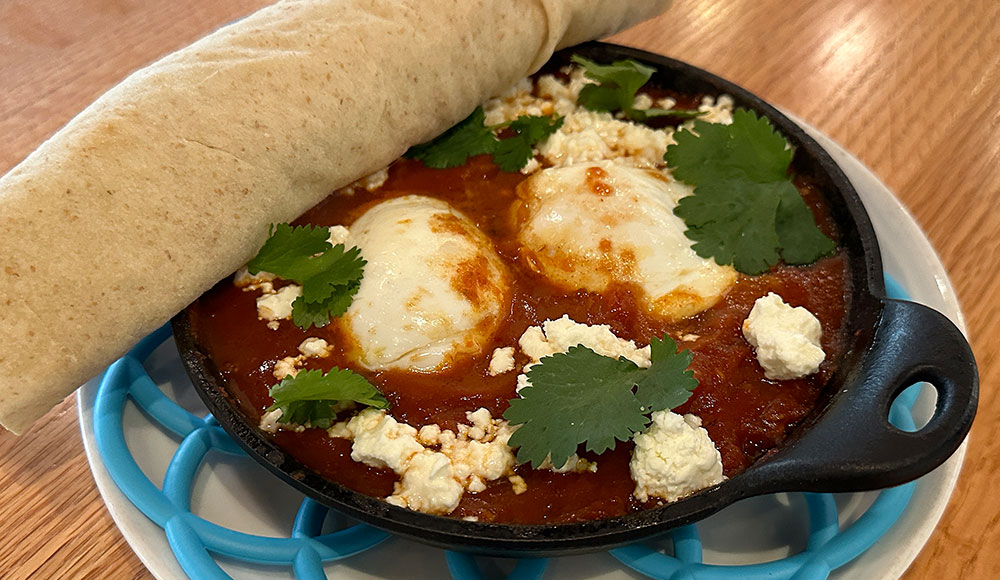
[(616, 87), (329, 275), (473, 136), (581, 397), (745, 210), (309, 398)]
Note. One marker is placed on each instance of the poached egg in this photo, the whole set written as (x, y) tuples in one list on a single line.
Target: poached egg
[(434, 288), (586, 226)]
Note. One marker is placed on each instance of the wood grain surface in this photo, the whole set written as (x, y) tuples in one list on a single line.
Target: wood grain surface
[(910, 87)]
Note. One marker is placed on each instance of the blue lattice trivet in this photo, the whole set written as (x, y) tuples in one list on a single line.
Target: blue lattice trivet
[(196, 542)]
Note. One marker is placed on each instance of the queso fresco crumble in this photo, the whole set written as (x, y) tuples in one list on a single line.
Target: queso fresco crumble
[(435, 467)]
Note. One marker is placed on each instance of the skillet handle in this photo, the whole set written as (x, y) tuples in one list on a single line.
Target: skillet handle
[(853, 447)]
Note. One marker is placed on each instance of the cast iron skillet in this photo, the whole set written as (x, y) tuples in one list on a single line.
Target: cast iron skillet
[(847, 444)]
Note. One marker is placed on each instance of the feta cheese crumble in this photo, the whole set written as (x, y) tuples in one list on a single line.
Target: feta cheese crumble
[(436, 466), (311, 347), (592, 135), (262, 281), (501, 361), (276, 306), (558, 335), (428, 485), (673, 458), (786, 339)]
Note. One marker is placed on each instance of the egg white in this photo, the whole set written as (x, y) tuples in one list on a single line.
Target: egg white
[(434, 288)]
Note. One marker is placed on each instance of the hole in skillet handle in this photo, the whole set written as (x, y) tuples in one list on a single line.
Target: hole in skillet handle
[(853, 446)]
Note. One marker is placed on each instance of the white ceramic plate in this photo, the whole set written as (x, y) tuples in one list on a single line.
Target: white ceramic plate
[(240, 494)]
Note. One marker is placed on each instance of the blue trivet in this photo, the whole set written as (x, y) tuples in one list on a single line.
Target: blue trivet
[(194, 540)]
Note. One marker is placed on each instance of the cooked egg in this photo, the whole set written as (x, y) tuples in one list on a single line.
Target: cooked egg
[(586, 226), (434, 288)]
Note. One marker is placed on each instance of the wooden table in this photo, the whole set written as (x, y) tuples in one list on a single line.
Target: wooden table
[(911, 87)]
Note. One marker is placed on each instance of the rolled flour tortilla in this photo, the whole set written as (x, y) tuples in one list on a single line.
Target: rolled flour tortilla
[(169, 181)]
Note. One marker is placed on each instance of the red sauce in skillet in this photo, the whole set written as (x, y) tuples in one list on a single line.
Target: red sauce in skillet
[(744, 413)]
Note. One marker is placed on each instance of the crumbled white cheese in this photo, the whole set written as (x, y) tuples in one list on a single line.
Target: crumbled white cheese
[(429, 434), (262, 281), (479, 451), (311, 347), (381, 441), (338, 235), (482, 420), (369, 182), (275, 306), (715, 110), (314, 347), (269, 421), (673, 458), (597, 136), (517, 484), (642, 101), (431, 480), (428, 485), (501, 361), (589, 135), (558, 335), (786, 339), (286, 367), (514, 102)]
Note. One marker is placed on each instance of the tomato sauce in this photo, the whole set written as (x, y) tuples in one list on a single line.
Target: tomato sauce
[(745, 414)]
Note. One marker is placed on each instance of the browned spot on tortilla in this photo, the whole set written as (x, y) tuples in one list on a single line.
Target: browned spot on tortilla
[(596, 183), (11, 271)]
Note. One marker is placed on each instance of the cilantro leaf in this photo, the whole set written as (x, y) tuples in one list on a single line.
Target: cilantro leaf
[(309, 396), (319, 314), (335, 268), (581, 397), (745, 210), (801, 240), (668, 382), (616, 87), (512, 153), (575, 397), (288, 251), (749, 149), (617, 84), (473, 137), (329, 275), (733, 229), (452, 148)]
